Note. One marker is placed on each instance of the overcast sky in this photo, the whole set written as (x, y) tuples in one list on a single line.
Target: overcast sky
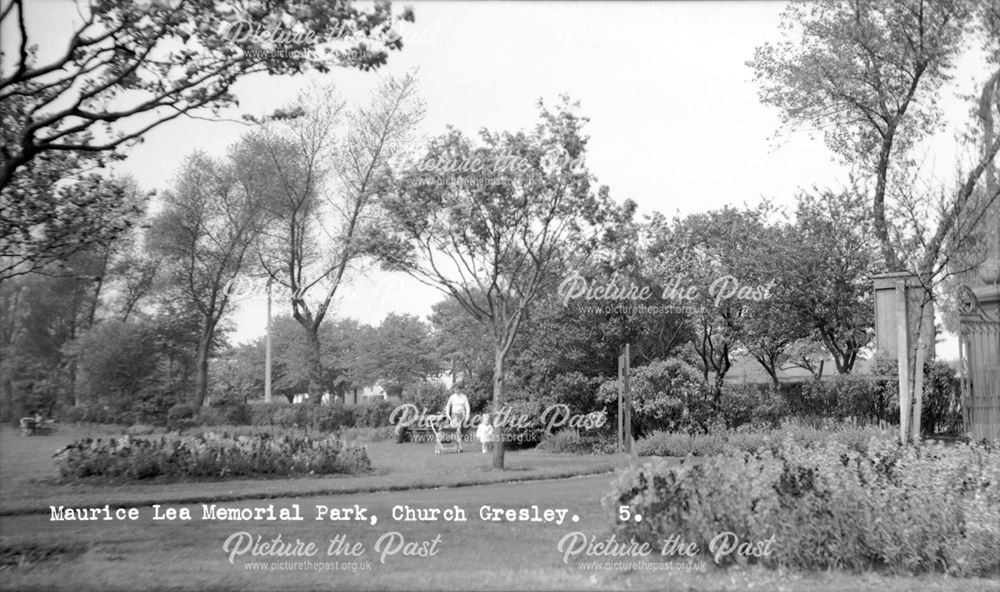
[(675, 123)]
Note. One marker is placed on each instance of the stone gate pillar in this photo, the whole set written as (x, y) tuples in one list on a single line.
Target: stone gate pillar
[(904, 332)]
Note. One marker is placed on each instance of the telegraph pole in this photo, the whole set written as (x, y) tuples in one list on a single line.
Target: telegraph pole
[(267, 348)]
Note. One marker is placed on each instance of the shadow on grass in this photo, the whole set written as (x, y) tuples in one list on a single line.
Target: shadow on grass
[(21, 554)]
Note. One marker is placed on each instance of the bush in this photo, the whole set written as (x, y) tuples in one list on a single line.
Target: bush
[(577, 391), (914, 509), (328, 418), (521, 434), (374, 415), (941, 412), (298, 415), (262, 414), (209, 455), (666, 395), (238, 414), (754, 439), (367, 434), (180, 411), (752, 404), (140, 429), (292, 416), (97, 414), (842, 397), (567, 440), (234, 414)]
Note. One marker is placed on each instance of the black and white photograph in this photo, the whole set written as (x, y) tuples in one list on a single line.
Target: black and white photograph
[(500, 295)]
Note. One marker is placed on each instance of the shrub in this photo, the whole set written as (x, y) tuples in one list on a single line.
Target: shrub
[(914, 509), (292, 416), (518, 433), (209, 455), (140, 429), (840, 397), (262, 414), (180, 411), (754, 439), (374, 415), (571, 441), (941, 405), (237, 414), (577, 391), (230, 414), (752, 404), (567, 440), (367, 434), (666, 395), (332, 417)]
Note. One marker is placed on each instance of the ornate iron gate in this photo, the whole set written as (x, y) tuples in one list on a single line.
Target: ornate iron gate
[(979, 348)]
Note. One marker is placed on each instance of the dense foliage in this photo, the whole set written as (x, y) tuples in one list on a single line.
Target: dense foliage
[(209, 455), (828, 505)]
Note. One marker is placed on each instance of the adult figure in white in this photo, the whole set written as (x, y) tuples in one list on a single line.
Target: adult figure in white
[(457, 411)]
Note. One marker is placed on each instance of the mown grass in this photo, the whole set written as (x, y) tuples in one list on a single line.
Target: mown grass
[(29, 481)]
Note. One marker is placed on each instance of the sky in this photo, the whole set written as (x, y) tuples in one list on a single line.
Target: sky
[(675, 122)]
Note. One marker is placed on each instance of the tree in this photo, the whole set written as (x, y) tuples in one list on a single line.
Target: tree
[(39, 318), (318, 195), (460, 340), (49, 217), (868, 74), (204, 234), (129, 67), (832, 263), (492, 225), (731, 260), (121, 366), (396, 354)]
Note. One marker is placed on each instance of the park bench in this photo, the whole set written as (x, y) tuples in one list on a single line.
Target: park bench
[(34, 426)]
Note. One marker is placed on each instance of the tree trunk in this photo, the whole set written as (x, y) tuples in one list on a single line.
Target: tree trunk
[(498, 441), (201, 390), (315, 367)]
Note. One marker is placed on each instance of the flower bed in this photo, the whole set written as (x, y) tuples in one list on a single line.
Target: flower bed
[(209, 455), (752, 439), (933, 508)]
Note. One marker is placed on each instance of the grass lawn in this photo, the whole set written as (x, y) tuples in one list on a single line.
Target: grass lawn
[(148, 554), (28, 477), (472, 555)]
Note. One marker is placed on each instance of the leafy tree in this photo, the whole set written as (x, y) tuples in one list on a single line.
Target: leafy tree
[(832, 262), (237, 375), (460, 340), (709, 257), (318, 192), (129, 67), (50, 216), (341, 350), (494, 239), (120, 363), (807, 353), (204, 235), (868, 74), (396, 354)]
